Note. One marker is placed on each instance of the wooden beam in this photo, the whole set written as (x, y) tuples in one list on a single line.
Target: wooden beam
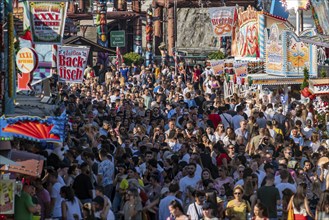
[(195, 3), (120, 15)]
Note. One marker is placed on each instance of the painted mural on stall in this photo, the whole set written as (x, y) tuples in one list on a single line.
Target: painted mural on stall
[(246, 42), (274, 51)]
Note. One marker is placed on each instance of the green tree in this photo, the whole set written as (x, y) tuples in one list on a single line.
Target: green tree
[(218, 55), (306, 78), (323, 73), (132, 57)]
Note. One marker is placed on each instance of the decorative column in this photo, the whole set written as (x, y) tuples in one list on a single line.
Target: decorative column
[(138, 36), (158, 29), (136, 7), (262, 35), (82, 6), (171, 30), (71, 7), (101, 23), (149, 36), (9, 59)]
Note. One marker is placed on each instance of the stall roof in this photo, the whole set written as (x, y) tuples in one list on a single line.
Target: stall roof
[(265, 79), (318, 40), (321, 81), (28, 167), (82, 41)]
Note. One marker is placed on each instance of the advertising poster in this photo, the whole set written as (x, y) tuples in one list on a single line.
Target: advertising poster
[(71, 63), (7, 197), (217, 66), (240, 69), (246, 41), (47, 21), (222, 20), (274, 51)]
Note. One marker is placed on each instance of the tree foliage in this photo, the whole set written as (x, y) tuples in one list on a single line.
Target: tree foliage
[(218, 55), (132, 57), (306, 78)]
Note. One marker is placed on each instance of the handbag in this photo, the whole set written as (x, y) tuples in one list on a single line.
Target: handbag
[(291, 213)]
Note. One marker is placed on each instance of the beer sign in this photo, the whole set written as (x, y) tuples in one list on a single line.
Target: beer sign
[(47, 21)]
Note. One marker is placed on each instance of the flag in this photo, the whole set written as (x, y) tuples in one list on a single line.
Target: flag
[(119, 58)]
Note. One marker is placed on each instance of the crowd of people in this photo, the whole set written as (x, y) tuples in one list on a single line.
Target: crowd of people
[(152, 143)]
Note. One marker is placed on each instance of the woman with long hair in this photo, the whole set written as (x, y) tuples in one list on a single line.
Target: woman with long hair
[(71, 206), (260, 212), (315, 141), (204, 182), (300, 204), (229, 137), (222, 157), (223, 177), (219, 132), (322, 210), (176, 210)]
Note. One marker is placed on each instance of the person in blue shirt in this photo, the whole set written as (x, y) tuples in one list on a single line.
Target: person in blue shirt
[(124, 71), (170, 195)]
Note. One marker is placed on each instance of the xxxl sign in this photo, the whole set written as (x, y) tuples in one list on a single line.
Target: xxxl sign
[(47, 21)]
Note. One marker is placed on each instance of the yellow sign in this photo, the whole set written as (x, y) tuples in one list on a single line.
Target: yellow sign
[(26, 60)]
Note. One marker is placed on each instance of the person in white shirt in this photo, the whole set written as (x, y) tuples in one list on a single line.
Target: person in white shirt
[(194, 210), (56, 199), (188, 182), (284, 184)]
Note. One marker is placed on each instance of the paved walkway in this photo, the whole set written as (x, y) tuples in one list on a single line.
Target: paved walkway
[(31, 106)]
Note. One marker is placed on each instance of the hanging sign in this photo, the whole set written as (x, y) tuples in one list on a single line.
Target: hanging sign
[(71, 63), (26, 60), (222, 20), (217, 66), (7, 197), (47, 21), (246, 39), (240, 68)]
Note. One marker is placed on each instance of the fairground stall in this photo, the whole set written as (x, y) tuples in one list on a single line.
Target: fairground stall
[(21, 167)]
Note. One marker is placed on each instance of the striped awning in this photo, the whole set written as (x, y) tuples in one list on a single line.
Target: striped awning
[(265, 79), (318, 40)]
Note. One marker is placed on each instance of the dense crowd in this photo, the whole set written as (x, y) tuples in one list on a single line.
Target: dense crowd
[(153, 143)]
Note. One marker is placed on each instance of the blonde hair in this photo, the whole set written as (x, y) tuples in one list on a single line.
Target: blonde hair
[(239, 187)]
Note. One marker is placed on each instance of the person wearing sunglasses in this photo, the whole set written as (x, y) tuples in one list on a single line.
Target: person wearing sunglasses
[(237, 208)]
